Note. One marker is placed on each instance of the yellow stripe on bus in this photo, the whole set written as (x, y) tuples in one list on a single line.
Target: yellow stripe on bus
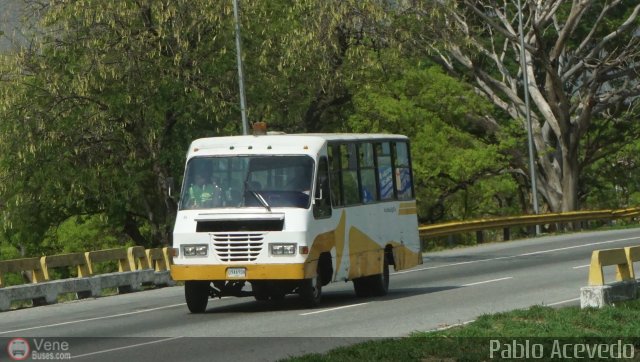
[(409, 204), (408, 211), (253, 272)]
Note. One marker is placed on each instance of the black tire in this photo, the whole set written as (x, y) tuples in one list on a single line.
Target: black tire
[(379, 283), (362, 287), (196, 293), (260, 291), (261, 297), (311, 292)]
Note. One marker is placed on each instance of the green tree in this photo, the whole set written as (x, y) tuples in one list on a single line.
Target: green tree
[(98, 107), (97, 114), (461, 170), (582, 67)]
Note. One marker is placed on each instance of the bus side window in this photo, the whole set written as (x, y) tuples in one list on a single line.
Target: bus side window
[(335, 175), (322, 206), (350, 182), (367, 173), (403, 172), (385, 171)]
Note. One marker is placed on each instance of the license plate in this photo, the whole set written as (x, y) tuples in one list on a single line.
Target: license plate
[(236, 272)]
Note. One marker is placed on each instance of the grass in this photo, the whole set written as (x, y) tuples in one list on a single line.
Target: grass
[(536, 325)]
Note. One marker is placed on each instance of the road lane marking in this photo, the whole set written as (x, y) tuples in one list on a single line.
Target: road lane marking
[(336, 308), (449, 326), (515, 256), (581, 266), (487, 281), (563, 302), (93, 319), (124, 347)]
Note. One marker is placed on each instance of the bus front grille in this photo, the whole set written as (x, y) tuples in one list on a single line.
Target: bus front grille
[(237, 247)]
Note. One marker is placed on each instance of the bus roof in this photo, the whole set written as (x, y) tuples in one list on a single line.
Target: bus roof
[(299, 143)]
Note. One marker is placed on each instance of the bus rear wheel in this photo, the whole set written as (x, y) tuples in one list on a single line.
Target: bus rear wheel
[(374, 285), (379, 283), (196, 293), (361, 287)]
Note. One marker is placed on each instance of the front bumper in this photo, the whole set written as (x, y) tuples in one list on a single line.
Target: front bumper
[(253, 272)]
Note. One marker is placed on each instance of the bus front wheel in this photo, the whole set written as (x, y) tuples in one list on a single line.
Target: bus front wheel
[(311, 292), (196, 293)]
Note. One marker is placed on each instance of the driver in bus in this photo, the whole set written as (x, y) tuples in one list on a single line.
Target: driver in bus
[(204, 194)]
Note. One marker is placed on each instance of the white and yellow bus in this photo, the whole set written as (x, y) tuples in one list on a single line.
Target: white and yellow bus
[(291, 213)]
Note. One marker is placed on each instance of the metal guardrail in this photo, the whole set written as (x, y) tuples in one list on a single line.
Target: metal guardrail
[(457, 227)]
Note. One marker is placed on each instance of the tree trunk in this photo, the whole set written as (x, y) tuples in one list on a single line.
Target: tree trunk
[(569, 182)]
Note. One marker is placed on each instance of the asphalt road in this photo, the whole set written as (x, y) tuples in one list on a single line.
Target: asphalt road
[(451, 287)]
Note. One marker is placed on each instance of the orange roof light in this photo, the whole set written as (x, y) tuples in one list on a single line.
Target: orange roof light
[(259, 128)]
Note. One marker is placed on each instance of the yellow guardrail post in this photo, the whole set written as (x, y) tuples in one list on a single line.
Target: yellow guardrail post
[(168, 256), (138, 258), (20, 265), (607, 257), (118, 254), (156, 259), (633, 255), (74, 259)]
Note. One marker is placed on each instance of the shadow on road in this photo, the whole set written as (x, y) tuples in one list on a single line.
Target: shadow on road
[(330, 299)]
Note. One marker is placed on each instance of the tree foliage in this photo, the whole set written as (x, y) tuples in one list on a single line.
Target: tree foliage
[(460, 169), (582, 65), (101, 99)]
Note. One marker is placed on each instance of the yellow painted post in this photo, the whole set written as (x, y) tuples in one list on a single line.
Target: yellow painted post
[(119, 254), (87, 255), (157, 259), (74, 259), (138, 258), (21, 265), (123, 265), (168, 260), (37, 275), (45, 268), (607, 257), (633, 255), (83, 269)]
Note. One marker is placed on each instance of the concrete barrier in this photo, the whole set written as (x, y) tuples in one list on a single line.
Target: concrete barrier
[(136, 267), (160, 261), (598, 294)]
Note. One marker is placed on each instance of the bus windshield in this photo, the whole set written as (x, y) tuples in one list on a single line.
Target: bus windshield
[(247, 181)]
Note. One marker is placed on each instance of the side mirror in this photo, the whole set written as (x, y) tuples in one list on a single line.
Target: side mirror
[(322, 186), (169, 185)]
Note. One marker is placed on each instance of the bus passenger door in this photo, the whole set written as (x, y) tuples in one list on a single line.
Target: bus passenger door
[(322, 204)]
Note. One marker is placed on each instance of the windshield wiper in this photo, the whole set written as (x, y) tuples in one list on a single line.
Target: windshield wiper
[(261, 200), (258, 197)]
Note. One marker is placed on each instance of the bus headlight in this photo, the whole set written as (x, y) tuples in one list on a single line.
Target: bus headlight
[(283, 249), (195, 250)]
